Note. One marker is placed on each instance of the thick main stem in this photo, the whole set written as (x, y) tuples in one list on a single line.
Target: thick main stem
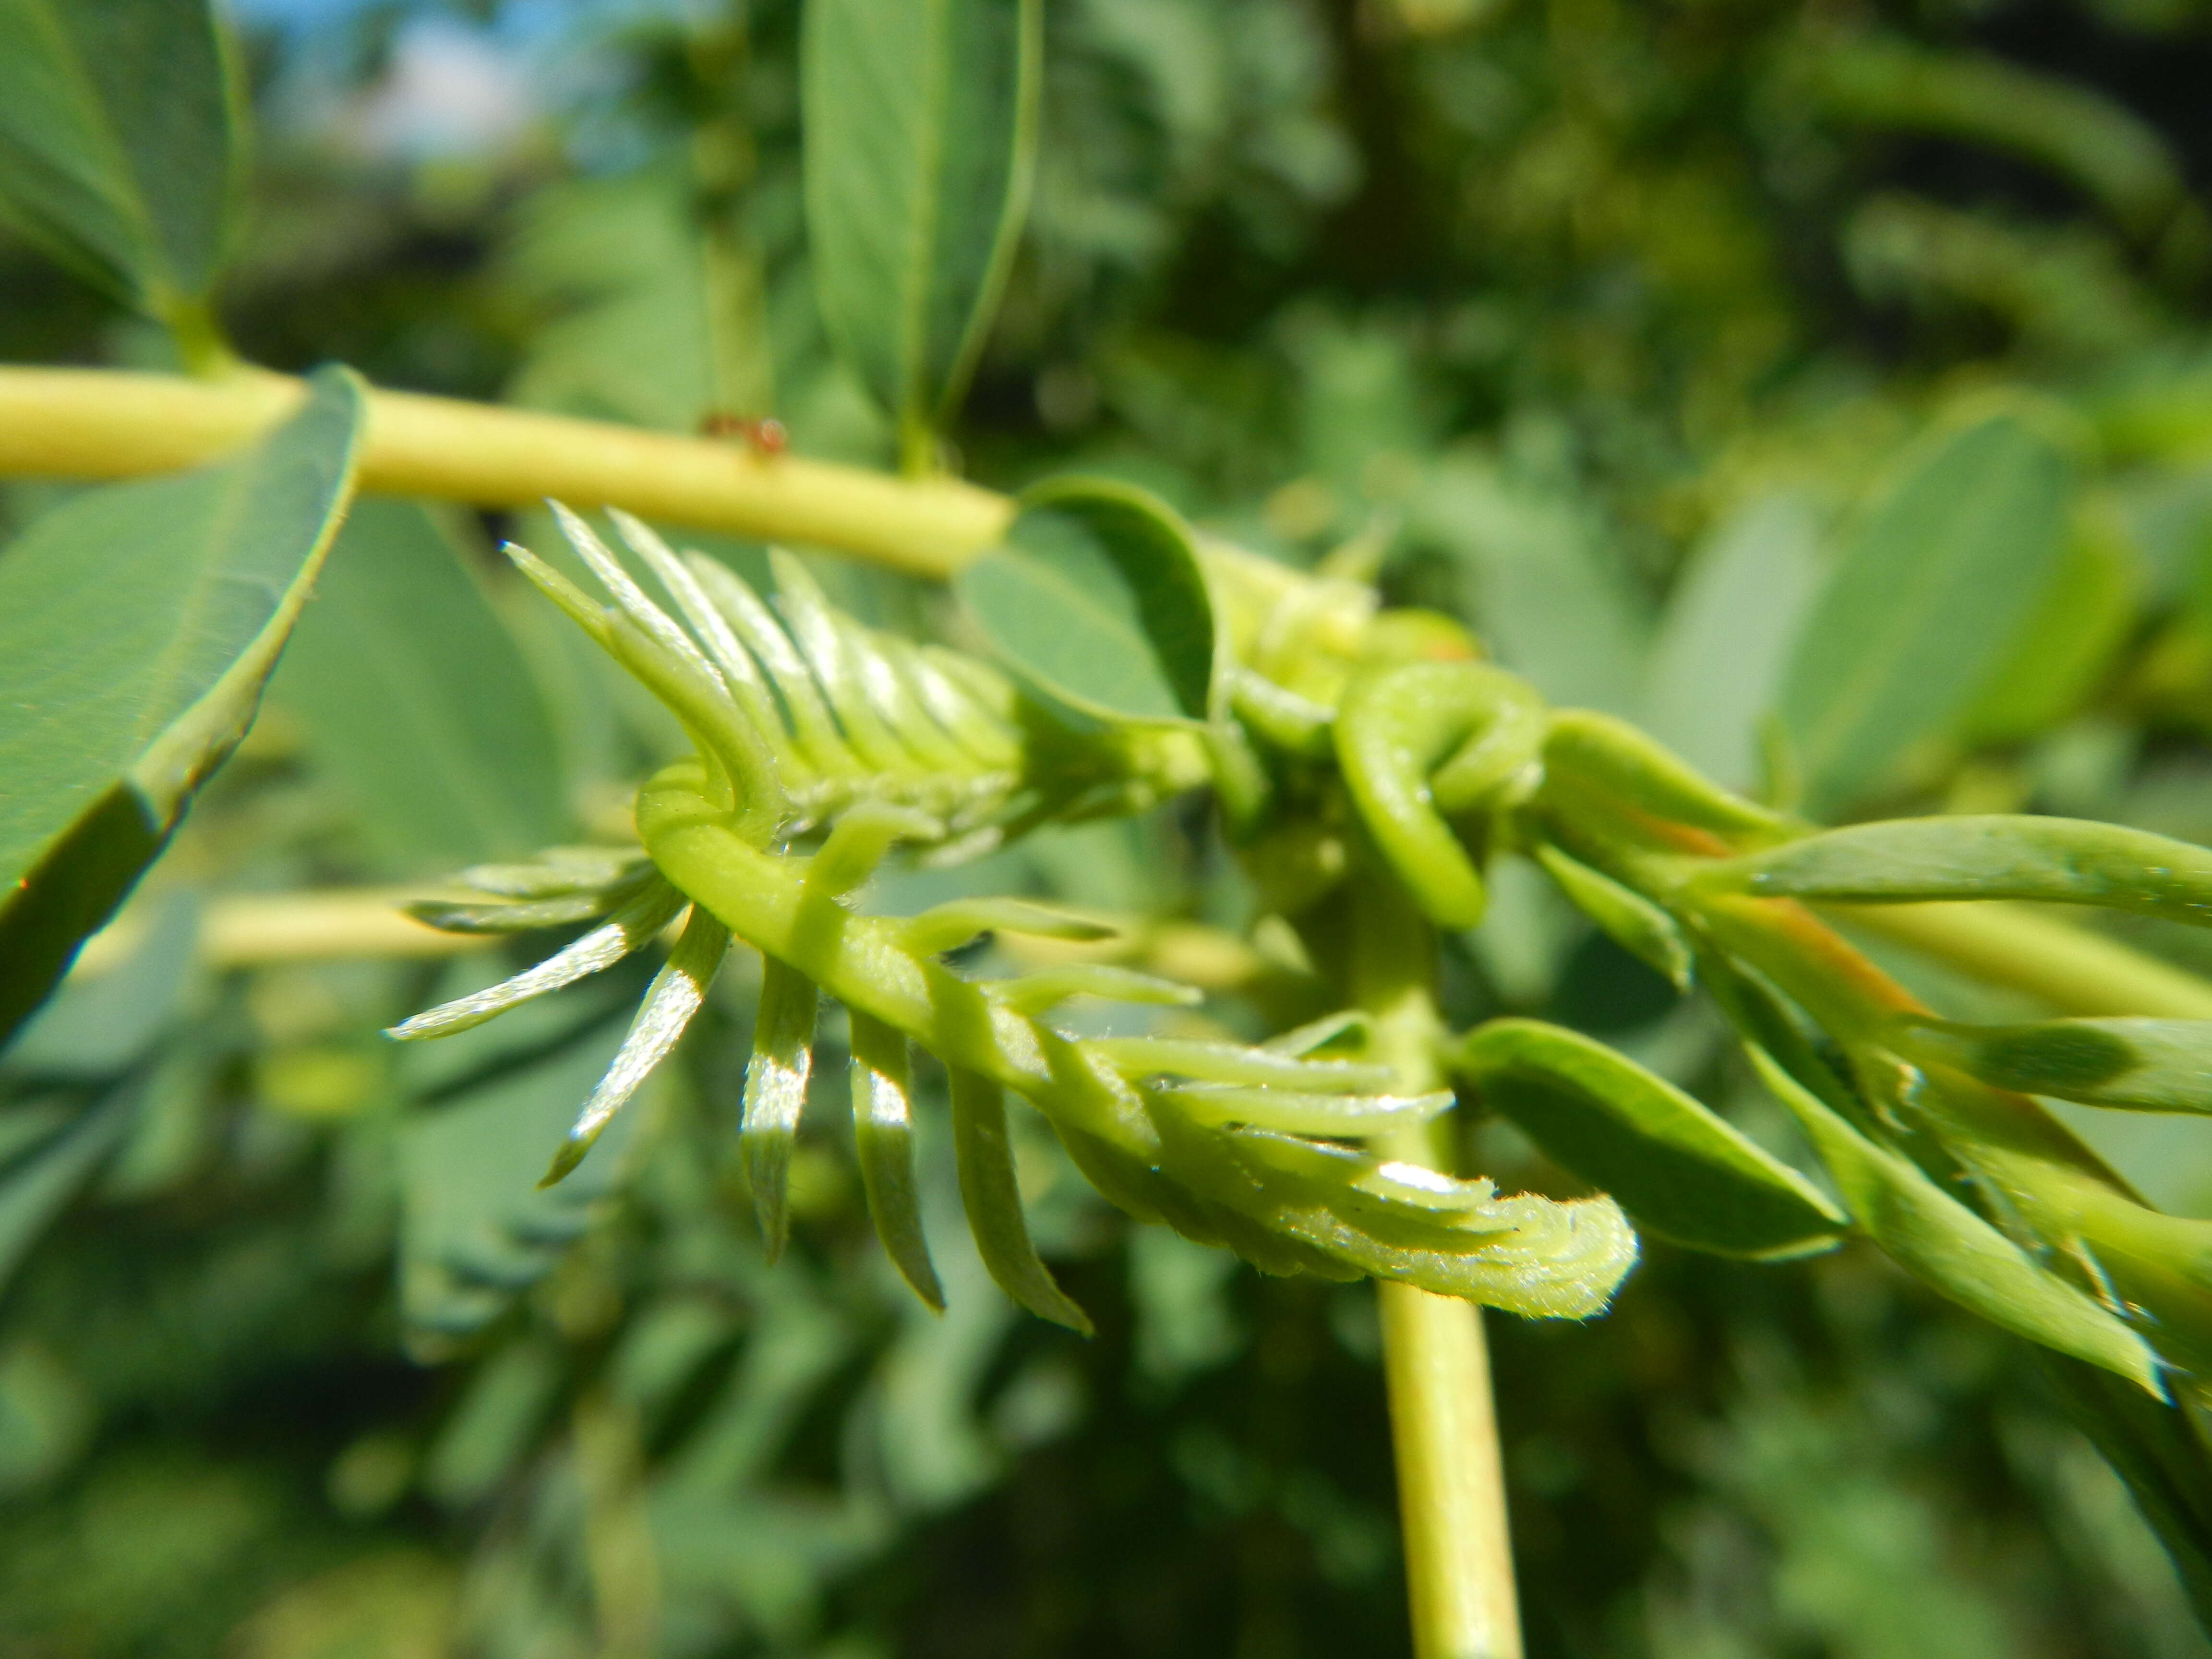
[(1451, 1486), (1443, 1426), (102, 423)]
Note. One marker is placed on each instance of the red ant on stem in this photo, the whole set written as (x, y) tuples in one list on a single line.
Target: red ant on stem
[(764, 433)]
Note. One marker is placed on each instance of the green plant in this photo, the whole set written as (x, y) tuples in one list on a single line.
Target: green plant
[(1361, 793), (1368, 767)]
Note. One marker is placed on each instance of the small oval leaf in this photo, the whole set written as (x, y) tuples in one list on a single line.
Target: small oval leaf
[(1098, 600), (1680, 1171), (418, 702)]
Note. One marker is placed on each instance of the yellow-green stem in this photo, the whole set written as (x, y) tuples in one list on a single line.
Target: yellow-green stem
[(1444, 1426), (917, 450), (103, 423), (1451, 1484), (202, 346), (252, 930)]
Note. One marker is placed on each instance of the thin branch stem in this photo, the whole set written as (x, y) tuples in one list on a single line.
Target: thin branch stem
[(104, 423), (249, 930), (201, 344)]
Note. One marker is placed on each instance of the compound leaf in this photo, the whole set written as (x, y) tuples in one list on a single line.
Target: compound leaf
[(475, 1228), (37, 1181)]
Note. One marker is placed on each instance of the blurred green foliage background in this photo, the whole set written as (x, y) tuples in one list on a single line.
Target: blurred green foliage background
[(1600, 324)]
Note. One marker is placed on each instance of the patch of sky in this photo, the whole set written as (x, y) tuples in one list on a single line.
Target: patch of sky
[(447, 86)]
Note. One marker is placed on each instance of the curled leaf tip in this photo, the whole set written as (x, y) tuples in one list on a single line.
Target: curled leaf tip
[(566, 1160)]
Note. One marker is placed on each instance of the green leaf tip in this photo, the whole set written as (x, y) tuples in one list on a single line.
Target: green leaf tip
[(1625, 916), (992, 1197), (775, 1094), (565, 1160), (1954, 1251), (883, 1137)]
